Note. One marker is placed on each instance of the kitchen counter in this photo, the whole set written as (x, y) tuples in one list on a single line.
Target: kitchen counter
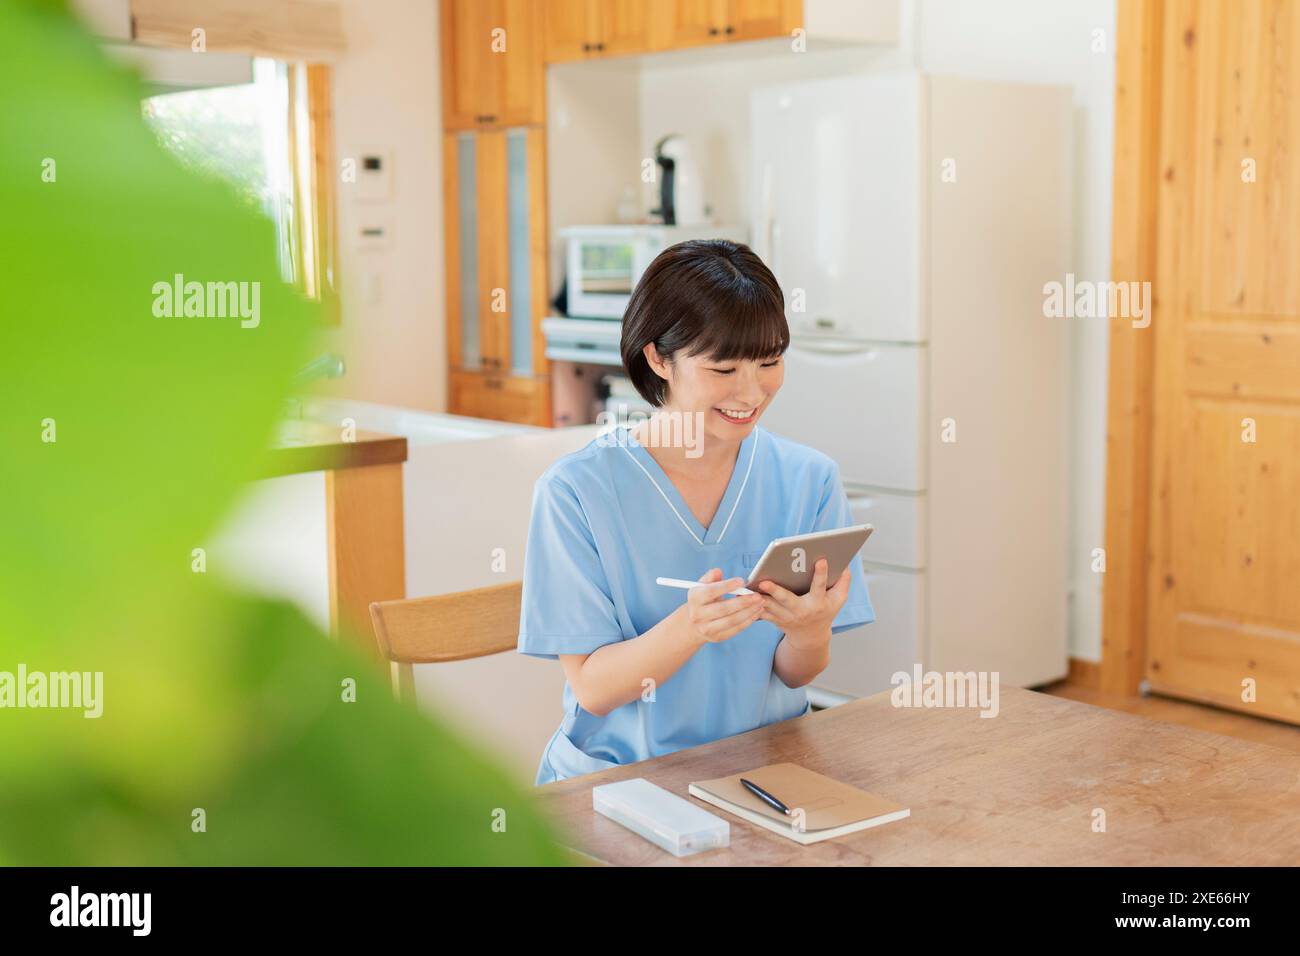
[(302, 446)]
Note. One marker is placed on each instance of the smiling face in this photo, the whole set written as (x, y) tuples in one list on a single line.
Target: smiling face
[(731, 395), (704, 333)]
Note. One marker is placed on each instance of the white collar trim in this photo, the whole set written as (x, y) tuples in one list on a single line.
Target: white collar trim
[(753, 452)]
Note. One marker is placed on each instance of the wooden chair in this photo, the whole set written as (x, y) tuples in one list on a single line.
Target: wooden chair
[(447, 627)]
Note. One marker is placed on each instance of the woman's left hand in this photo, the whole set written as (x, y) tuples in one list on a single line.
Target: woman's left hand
[(806, 620)]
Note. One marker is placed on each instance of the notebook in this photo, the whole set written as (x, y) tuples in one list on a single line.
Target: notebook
[(830, 808)]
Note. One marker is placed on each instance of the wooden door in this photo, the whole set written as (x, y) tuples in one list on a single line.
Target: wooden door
[(1224, 543)]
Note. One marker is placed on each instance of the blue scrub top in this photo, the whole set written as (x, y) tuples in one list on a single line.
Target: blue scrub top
[(606, 521)]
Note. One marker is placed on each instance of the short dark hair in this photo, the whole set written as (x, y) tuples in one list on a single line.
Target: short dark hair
[(709, 297)]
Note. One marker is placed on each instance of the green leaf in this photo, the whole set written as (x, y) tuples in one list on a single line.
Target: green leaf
[(211, 700)]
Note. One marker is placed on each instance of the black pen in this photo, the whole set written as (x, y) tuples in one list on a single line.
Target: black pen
[(766, 797)]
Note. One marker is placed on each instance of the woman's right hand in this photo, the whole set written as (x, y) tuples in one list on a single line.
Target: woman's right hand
[(711, 616)]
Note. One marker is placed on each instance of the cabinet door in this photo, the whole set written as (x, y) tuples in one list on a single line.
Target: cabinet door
[(759, 19), (697, 22), (475, 214), (625, 26), (470, 75), (493, 249), (495, 210), (460, 217), (526, 300), (492, 72), (521, 68), (572, 29)]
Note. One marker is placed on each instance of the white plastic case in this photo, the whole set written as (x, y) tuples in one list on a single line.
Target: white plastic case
[(663, 818)]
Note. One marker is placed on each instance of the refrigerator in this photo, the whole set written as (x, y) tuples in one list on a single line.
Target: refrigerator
[(912, 221)]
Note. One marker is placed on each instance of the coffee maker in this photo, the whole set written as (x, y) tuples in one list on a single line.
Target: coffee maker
[(681, 193)]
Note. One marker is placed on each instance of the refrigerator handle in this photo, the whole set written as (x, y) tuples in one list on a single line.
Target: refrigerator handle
[(774, 242), (815, 346), (765, 252)]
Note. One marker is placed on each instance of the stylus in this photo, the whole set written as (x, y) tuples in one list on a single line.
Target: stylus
[(679, 583)]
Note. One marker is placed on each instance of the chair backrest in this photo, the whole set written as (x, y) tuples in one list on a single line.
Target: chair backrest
[(446, 627)]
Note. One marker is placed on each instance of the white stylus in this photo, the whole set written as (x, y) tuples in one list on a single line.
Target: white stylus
[(679, 583)]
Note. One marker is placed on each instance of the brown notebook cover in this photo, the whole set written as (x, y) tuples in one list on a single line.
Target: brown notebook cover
[(830, 808)]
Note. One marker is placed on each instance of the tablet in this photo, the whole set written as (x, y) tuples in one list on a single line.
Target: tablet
[(790, 562)]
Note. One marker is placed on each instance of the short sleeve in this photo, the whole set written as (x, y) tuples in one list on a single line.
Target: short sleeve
[(833, 512), (566, 605)]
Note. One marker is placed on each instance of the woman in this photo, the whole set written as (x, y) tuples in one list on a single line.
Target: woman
[(651, 669)]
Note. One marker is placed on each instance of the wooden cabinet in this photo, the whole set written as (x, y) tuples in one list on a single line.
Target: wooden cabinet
[(696, 22), (628, 26), (700, 22), (495, 213), (493, 74), (587, 29), (572, 29), (503, 398), (759, 19)]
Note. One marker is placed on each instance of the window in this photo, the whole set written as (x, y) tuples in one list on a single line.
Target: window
[(271, 140)]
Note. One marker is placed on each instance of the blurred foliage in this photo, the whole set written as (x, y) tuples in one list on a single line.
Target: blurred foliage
[(211, 700)]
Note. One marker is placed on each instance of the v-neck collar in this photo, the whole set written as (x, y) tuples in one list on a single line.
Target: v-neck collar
[(721, 520)]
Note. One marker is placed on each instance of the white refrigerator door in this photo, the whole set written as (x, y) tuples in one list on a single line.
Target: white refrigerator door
[(836, 203), (861, 403)]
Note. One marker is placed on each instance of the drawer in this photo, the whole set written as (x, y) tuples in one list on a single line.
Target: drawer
[(862, 404), (899, 537), (864, 659)]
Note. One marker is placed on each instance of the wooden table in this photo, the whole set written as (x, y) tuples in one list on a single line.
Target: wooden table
[(1018, 788), (366, 551)]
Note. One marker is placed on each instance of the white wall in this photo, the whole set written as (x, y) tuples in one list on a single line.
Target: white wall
[(387, 96)]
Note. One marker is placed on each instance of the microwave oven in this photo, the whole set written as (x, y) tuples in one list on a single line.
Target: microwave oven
[(604, 263)]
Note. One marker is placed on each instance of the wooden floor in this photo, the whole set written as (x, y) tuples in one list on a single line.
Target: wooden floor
[(1202, 717)]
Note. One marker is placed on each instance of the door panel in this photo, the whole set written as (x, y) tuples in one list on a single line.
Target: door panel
[(1224, 607)]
